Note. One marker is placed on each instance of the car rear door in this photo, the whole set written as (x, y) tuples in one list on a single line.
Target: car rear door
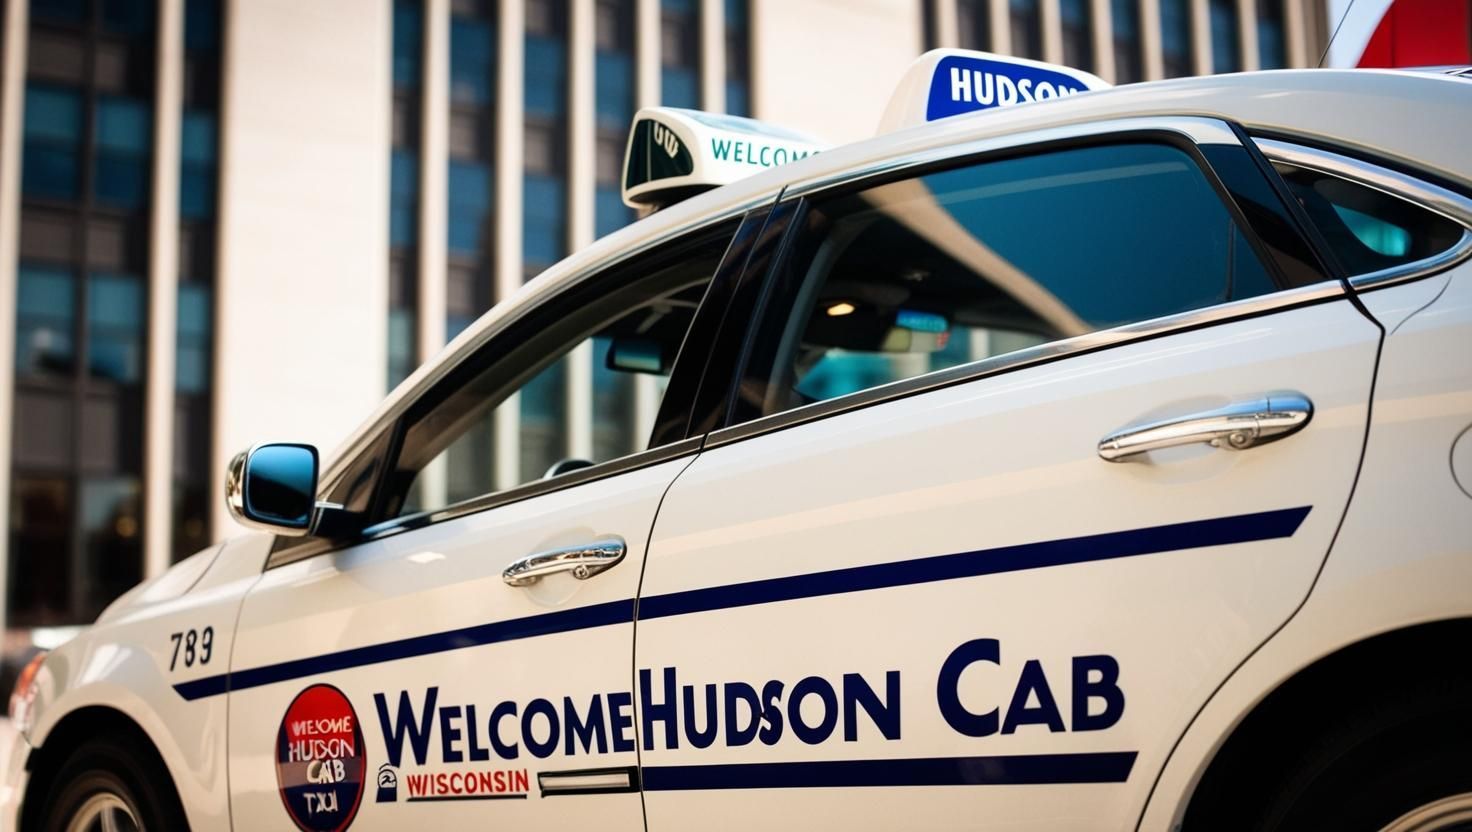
[(965, 556), (464, 659)]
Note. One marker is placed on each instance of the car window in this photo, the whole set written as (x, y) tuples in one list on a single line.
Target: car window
[(927, 273), (1366, 229), (578, 386)]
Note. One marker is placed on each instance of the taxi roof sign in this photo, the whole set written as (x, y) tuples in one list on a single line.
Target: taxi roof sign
[(951, 82), (673, 154)]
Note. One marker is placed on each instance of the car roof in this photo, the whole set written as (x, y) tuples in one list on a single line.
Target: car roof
[(1359, 110)]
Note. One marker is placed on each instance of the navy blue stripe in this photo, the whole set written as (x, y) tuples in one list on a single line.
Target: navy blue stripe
[(1021, 770), (1243, 528), (582, 618)]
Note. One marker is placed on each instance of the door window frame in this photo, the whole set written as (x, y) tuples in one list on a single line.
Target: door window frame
[(380, 445), (1240, 175)]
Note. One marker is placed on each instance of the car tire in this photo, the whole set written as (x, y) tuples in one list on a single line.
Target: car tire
[(1398, 761), (109, 776)]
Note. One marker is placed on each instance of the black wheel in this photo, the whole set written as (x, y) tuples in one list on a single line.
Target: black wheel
[(1398, 761), (108, 786)]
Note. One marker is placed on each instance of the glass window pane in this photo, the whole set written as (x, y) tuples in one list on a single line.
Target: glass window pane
[(1369, 230), (546, 76), (40, 551), (448, 452), (192, 339), (123, 125), (112, 541), (963, 264), (128, 17), (470, 191), (1078, 35), (1271, 49), (472, 60), (115, 325), (1175, 37), (1027, 28), (408, 42), (1125, 20), (202, 25), (44, 327), (1225, 39), (614, 78), (973, 24)]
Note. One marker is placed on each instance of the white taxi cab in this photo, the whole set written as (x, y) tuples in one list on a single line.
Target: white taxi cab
[(1062, 458)]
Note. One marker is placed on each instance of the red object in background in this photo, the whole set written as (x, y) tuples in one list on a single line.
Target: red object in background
[(1422, 33)]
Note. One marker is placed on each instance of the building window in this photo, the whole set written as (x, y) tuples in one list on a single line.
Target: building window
[(1027, 28), (1128, 62), (1271, 48), (1175, 37), (679, 53), (470, 181), (738, 57), (1078, 33), (973, 24), (544, 186), (613, 73), (81, 302), (1225, 39), (194, 320)]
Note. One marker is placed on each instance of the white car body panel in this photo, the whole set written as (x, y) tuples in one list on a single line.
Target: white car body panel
[(445, 579), (876, 486), (1404, 555), (1002, 462)]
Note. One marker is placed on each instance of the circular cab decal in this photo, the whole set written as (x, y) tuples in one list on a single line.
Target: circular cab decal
[(320, 760)]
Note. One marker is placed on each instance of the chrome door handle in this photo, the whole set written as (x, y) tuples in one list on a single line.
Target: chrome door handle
[(583, 561), (1235, 427)]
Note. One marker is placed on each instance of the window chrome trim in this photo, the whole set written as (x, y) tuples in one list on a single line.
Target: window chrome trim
[(485, 502), (1433, 198), (1041, 354), (1198, 129)]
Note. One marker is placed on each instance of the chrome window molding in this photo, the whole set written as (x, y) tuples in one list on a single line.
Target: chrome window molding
[(1198, 129), (1041, 354), (1431, 197), (485, 502)]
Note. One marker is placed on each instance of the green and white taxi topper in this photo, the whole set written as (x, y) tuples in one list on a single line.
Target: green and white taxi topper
[(673, 153), (952, 82)]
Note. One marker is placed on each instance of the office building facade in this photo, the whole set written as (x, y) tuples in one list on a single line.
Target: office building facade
[(224, 221)]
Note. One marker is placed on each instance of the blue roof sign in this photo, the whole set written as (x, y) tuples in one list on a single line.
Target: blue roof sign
[(951, 82)]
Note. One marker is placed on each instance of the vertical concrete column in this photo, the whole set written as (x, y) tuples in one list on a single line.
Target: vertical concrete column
[(582, 184), (1248, 58), (1150, 40), (1201, 58), (1103, 38), (1295, 35), (433, 210), (163, 293), (12, 94), (999, 21), (647, 83), (713, 56), (947, 24), (510, 138), (434, 162), (304, 197), (1050, 16), (646, 53)]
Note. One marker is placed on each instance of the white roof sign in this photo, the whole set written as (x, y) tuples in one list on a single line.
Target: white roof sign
[(674, 153)]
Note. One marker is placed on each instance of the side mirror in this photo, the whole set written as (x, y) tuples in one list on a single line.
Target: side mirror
[(274, 488)]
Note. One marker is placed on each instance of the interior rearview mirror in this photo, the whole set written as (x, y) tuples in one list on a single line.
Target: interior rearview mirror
[(633, 354), (273, 487)]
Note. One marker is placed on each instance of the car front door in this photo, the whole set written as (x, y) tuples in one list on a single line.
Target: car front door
[(464, 659), (1031, 450)]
